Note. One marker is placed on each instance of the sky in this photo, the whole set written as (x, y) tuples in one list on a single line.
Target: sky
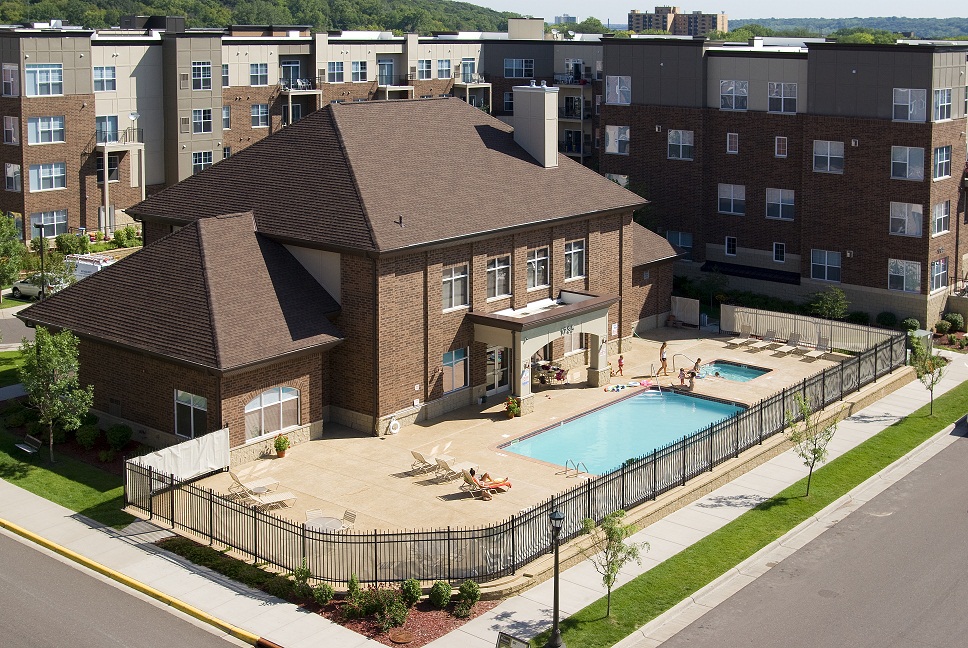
[(618, 10)]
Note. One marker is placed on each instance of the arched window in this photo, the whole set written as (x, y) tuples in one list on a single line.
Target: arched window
[(271, 411)]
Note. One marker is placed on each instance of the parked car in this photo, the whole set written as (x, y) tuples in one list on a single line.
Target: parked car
[(29, 287)]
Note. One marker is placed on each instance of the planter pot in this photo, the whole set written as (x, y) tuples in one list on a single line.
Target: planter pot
[(281, 453), (510, 415)]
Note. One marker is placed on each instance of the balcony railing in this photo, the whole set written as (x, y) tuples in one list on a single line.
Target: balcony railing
[(569, 113), (300, 85), (470, 77), (564, 78), (571, 148), (130, 135)]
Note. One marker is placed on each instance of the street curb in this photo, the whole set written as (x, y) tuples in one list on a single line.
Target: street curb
[(147, 590)]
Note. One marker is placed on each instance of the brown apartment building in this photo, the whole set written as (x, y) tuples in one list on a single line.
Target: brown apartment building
[(791, 167), (677, 23), (335, 272)]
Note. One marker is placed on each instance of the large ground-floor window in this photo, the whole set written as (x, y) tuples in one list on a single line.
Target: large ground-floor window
[(455, 370), (191, 414), (272, 411)]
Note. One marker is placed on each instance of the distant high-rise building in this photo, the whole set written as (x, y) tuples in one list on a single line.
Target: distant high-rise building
[(674, 21), (566, 19)]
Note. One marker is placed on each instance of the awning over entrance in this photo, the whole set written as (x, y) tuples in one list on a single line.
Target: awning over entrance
[(527, 330)]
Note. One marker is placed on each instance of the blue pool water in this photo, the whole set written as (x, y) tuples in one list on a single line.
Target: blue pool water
[(632, 427), (732, 371)]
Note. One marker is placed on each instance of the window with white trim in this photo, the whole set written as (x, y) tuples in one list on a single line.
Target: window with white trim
[(780, 203), (225, 75), (105, 78), (226, 117), (191, 414), (618, 90), (782, 97), (779, 146), (732, 199), (11, 130), (941, 217), (779, 252), (258, 74), (48, 176), (291, 72), (272, 411), (903, 275), (334, 72), (201, 75), (939, 274), (515, 68), (906, 219), (55, 222), (732, 143), (202, 120), (909, 104), (574, 260), (499, 277), (828, 157), (260, 115), (106, 128), (681, 144), (44, 79), (942, 162), (733, 95), (455, 293), (226, 152), (617, 140), (455, 370), (114, 162), (730, 246), (444, 69), (11, 80), (825, 265), (538, 268), (12, 173), (424, 70), (358, 71), (201, 160), (907, 163), (942, 104), (574, 342), (509, 102)]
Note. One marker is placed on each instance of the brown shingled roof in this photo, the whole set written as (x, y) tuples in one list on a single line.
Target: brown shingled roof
[(214, 294), (649, 247), (346, 175)]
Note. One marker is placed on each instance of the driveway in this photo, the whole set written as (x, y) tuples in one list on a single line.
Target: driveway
[(12, 329)]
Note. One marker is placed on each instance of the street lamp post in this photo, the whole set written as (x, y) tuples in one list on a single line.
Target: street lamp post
[(557, 519), (43, 269)]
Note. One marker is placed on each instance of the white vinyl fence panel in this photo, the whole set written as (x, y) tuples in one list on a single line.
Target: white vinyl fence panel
[(189, 459), (842, 335)]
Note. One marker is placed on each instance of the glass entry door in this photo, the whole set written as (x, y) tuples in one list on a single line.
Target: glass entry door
[(385, 72), (467, 70), (498, 369)]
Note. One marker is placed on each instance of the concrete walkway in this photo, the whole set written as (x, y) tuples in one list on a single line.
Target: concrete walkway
[(131, 552)]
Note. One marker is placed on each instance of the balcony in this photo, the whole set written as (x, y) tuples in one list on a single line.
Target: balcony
[(564, 78), (569, 113), (113, 140), (574, 148), (301, 86), (470, 79)]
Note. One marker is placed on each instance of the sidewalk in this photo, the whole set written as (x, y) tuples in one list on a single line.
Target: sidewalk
[(132, 553)]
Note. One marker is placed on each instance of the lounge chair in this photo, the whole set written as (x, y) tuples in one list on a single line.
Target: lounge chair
[(349, 519), (823, 348), (477, 488), (269, 500), (791, 345), (421, 463), (744, 337), (450, 469), (768, 340), (258, 486)]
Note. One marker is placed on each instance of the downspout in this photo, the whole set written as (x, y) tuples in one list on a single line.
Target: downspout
[(376, 345)]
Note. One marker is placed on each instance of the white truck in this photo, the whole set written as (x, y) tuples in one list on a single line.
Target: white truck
[(87, 264)]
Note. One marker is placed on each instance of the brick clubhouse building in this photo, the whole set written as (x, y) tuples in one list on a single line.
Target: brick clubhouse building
[(335, 271)]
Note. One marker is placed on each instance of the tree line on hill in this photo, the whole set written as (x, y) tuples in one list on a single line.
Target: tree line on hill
[(937, 28)]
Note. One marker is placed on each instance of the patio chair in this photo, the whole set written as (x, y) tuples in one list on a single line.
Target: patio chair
[(473, 487), (349, 519), (823, 348), (791, 345), (422, 464), (258, 486), (312, 514), (270, 500), (744, 337), (449, 469), (768, 340)]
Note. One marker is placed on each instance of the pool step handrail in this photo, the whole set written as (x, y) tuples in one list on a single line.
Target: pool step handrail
[(684, 356), (571, 465)]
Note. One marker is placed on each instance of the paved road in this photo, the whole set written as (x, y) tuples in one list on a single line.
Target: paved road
[(892, 574), (12, 329), (45, 603)]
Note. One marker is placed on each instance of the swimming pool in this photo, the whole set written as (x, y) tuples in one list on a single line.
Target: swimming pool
[(732, 371), (632, 427)]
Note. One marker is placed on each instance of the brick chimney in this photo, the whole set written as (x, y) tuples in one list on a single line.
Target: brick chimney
[(536, 122)]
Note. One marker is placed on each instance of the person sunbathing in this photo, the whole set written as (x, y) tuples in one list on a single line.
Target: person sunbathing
[(486, 481)]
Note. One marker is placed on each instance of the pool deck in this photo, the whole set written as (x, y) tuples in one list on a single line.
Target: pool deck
[(349, 470)]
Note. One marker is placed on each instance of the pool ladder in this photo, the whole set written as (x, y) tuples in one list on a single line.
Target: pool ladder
[(684, 356), (573, 466)]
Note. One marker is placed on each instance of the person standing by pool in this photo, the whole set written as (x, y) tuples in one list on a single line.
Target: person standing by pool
[(663, 359), (692, 380), (696, 367), (621, 365), (682, 376)]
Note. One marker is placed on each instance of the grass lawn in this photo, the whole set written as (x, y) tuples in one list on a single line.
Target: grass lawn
[(9, 363), (8, 301), (68, 482), (668, 583)]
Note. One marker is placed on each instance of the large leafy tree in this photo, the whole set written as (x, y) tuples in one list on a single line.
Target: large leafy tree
[(49, 376), (12, 250)]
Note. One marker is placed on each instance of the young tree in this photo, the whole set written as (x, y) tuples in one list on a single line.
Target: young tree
[(608, 551), (49, 376), (929, 368), (809, 438), (830, 303), (12, 250)]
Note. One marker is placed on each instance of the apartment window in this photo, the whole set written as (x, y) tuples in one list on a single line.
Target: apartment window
[(779, 147), (44, 177), (444, 71), (907, 163), (106, 127), (681, 239), (509, 102), (359, 71), (291, 72), (499, 277), (617, 178), (201, 160), (618, 90), (105, 78), (906, 219), (296, 114), (779, 252), (226, 152), (732, 199), (941, 218), (680, 145), (455, 287), (12, 172), (225, 75), (518, 68), (942, 104), (617, 140), (424, 70), (825, 265), (780, 203), (114, 161), (942, 162), (202, 120), (191, 414), (598, 105), (939, 274), (574, 342), (11, 130), (903, 275), (828, 157), (733, 95), (782, 97), (730, 246), (44, 79), (201, 75), (258, 74), (574, 260), (909, 104), (334, 72), (272, 411), (732, 143), (11, 80), (55, 222), (537, 268), (226, 117), (260, 115), (455, 370)]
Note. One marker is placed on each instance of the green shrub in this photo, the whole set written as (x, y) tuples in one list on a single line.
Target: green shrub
[(440, 595), (956, 320), (118, 436), (301, 576), (859, 317), (469, 592), (910, 324), (323, 593), (280, 587), (124, 237), (963, 342), (942, 327), (89, 419), (411, 591), (72, 244), (886, 319), (87, 436), (462, 610), (15, 420), (39, 430), (107, 456), (353, 587), (387, 606)]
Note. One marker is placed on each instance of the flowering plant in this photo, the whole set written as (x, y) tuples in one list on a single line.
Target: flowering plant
[(512, 406), (281, 442)]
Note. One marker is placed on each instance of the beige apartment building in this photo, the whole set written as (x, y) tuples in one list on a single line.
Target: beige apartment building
[(674, 21)]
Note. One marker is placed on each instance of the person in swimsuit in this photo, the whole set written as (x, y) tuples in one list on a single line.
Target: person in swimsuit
[(663, 359)]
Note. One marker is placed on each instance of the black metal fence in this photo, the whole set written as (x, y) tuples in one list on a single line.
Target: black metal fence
[(490, 552)]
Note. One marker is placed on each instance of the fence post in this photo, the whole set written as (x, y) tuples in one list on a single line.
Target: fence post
[(151, 497), (655, 474), (514, 551), (842, 379), (877, 348), (171, 499), (255, 535), (624, 471), (823, 387), (760, 425), (211, 518), (302, 544), (682, 450), (709, 447), (736, 454), (376, 558)]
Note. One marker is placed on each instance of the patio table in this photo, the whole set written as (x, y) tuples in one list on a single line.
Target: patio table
[(324, 524)]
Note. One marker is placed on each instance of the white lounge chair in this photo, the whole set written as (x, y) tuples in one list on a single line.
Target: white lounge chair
[(450, 469), (791, 345), (270, 500), (768, 340), (423, 464), (744, 337), (349, 519), (823, 348), (258, 486)]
